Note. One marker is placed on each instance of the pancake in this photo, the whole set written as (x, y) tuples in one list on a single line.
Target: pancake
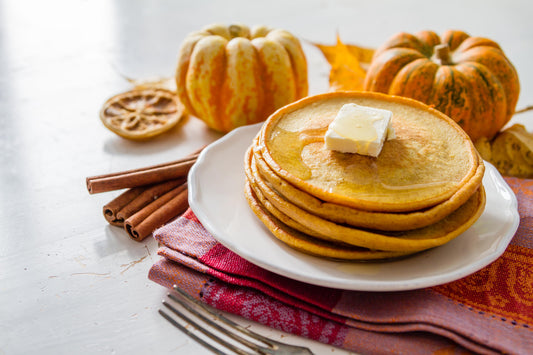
[(414, 240), (359, 218), (260, 197), (309, 245), (430, 160)]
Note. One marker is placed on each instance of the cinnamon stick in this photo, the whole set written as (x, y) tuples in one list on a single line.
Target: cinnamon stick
[(149, 195), (172, 204), (114, 206), (142, 176)]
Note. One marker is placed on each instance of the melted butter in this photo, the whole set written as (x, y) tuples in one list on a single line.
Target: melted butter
[(286, 148), (309, 136)]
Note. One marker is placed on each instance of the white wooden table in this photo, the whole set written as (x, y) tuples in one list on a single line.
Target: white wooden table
[(69, 282)]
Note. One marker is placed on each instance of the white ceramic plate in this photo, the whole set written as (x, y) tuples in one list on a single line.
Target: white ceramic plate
[(216, 196)]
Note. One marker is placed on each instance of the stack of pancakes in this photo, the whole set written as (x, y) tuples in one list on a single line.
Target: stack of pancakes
[(423, 190)]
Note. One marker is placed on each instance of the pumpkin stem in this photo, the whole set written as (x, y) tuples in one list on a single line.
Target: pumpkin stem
[(234, 30), (442, 54)]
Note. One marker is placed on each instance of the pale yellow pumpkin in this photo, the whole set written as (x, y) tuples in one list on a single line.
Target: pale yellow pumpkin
[(231, 76)]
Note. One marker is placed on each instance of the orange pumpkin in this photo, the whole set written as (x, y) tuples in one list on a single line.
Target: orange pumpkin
[(230, 76), (468, 78)]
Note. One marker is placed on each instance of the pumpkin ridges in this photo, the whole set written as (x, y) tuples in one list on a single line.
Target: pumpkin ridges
[(472, 42), (384, 68), (478, 98), (402, 40), (454, 38), (219, 102), (182, 68), (415, 80), (241, 93), (259, 31), (450, 94), (218, 30), (297, 57), (266, 77), (501, 67), (205, 73), (277, 74), (489, 101), (430, 39)]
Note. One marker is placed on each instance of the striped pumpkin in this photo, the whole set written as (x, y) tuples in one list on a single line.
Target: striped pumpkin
[(468, 78), (230, 76)]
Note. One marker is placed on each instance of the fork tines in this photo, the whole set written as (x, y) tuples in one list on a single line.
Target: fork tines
[(219, 329)]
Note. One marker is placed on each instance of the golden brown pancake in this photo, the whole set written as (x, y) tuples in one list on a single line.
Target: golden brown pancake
[(309, 245), (355, 217), (428, 162), (415, 240), (423, 190)]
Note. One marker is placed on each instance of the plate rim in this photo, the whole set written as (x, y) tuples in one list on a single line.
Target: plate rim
[(368, 285)]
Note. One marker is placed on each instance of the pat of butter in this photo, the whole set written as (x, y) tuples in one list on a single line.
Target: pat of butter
[(359, 129)]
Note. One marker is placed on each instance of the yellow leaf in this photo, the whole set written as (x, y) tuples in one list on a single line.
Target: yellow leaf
[(348, 64), (328, 51), (364, 55)]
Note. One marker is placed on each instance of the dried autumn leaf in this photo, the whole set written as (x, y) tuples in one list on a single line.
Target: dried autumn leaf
[(348, 64), (511, 151), (364, 55)]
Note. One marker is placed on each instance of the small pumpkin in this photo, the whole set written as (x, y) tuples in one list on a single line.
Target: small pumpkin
[(230, 76), (468, 78)]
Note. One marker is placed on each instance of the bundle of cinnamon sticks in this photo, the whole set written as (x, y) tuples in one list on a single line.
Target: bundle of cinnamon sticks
[(153, 195)]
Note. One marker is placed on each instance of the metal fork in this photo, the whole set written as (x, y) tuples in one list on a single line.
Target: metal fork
[(194, 307)]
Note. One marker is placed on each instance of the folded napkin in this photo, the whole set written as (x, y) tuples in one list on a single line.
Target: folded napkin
[(490, 311)]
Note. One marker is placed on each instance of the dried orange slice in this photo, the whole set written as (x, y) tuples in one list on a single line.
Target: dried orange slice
[(142, 113)]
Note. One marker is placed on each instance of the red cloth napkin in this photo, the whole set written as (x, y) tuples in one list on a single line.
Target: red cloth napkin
[(490, 311)]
